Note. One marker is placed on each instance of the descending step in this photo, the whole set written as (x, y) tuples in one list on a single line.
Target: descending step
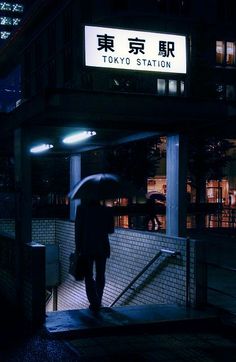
[(65, 324)]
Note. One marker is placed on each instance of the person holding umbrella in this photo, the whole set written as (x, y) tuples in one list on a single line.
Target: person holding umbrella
[(151, 215), (93, 223)]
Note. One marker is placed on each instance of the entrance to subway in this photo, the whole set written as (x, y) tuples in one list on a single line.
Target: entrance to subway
[(132, 235), (136, 117), (62, 291)]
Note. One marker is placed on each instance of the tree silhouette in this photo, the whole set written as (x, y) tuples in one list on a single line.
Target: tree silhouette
[(208, 158), (136, 161), (50, 175), (6, 174)]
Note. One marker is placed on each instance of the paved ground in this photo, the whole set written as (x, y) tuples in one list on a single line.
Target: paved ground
[(178, 346), (82, 322), (162, 347), (192, 342)]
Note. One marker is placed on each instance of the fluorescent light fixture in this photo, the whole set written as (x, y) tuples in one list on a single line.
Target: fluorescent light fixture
[(77, 137), (41, 148)]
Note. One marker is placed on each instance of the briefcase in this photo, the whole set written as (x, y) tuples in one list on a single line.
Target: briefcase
[(77, 266)]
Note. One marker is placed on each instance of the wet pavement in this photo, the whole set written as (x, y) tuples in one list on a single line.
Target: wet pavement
[(191, 346), (83, 322), (175, 336)]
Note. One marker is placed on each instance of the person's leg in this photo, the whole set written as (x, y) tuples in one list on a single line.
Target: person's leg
[(152, 220), (146, 222), (158, 223), (100, 276), (90, 285)]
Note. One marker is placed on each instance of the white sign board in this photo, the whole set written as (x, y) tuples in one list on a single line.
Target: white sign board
[(135, 50)]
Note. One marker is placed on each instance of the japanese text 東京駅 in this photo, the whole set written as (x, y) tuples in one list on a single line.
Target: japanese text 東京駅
[(134, 50)]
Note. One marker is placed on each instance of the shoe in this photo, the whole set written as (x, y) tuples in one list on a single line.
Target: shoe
[(94, 308)]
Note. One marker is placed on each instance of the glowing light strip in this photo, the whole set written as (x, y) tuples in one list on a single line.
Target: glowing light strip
[(41, 148), (77, 137)]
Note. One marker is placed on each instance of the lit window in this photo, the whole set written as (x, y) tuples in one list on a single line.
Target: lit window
[(220, 52), (5, 6), (4, 34), (230, 53), (17, 8), (172, 87), (161, 87), (4, 20), (15, 21), (225, 52)]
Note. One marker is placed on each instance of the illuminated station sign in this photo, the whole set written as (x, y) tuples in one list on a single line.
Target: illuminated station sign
[(135, 50)]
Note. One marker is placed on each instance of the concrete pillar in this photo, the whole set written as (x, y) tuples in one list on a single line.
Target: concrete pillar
[(35, 292), (176, 201), (75, 177), (23, 203)]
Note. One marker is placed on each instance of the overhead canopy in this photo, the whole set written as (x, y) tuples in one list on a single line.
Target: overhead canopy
[(116, 118)]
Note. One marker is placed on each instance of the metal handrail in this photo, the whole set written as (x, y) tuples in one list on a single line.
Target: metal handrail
[(166, 251), (221, 292), (223, 267)]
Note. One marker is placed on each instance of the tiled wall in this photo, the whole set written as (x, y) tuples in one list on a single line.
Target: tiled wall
[(7, 226), (131, 250), (164, 282), (43, 230)]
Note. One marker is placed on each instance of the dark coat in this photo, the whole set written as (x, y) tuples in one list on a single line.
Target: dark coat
[(92, 226)]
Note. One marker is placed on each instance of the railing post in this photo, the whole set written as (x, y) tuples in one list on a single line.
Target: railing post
[(35, 284), (200, 274), (187, 272), (54, 298)]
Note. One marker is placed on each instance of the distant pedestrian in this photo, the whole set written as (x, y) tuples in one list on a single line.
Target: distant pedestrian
[(151, 216), (92, 225)]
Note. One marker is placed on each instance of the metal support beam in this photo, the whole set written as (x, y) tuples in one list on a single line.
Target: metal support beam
[(176, 201), (75, 176), (23, 202)]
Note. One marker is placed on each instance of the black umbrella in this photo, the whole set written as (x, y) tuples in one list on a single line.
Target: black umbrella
[(154, 195), (102, 186)]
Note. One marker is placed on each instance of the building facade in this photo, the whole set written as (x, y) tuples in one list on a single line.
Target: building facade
[(11, 13), (125, 70), (56, 57), (194, 100)]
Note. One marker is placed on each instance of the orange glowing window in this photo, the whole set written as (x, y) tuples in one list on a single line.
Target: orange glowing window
[(220, 52), (225, 52), (230, 53)]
